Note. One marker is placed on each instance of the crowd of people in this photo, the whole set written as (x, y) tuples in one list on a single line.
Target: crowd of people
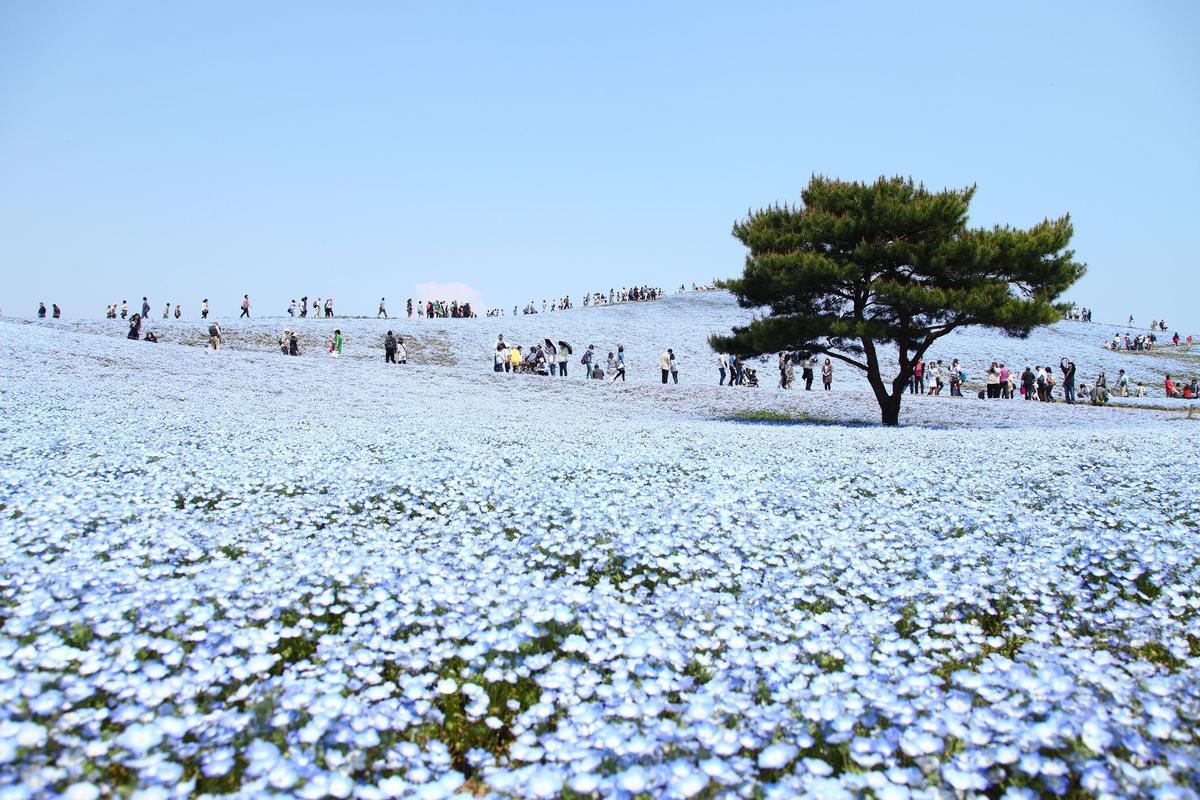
[(115, 310), (320, 307), (1080, 314)]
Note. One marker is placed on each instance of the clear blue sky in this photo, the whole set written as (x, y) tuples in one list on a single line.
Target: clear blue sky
[(185, 150)]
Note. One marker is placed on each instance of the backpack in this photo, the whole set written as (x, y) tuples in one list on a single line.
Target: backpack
[(212, 330)]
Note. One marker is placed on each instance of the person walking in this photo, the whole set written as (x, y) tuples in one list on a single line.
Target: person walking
[(664, 364), (620, 371), (292, 309), (304, 306), (55, 311), (389, 348), (214, 336), (145, 308), (245, 306), (409, 308), (204, 309), (41, 310), (382, 310), (827, 374), (721, 364), (329, 306), (563, 352)]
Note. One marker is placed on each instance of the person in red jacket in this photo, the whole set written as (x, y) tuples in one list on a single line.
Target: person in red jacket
[(1169, 386)]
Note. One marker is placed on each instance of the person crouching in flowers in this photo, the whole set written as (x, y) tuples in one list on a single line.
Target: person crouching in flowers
[(335, 344)]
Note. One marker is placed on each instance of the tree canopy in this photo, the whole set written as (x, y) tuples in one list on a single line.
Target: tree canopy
[(860, 265)]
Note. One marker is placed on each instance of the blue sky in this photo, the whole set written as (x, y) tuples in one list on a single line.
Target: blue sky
[(190, 150)]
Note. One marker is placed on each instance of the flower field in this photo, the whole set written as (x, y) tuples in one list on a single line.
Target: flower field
[(237, 573)]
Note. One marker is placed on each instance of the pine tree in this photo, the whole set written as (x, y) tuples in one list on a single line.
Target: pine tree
[(858, 266)]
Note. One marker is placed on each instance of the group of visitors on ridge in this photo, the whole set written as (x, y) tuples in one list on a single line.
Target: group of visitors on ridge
[(111, 312)]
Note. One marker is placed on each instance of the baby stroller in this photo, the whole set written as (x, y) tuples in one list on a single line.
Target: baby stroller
[(751, 376)]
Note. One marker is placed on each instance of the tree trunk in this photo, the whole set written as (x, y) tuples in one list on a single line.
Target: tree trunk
[(891, 409)]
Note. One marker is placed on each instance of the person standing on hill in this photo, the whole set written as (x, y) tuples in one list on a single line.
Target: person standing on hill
[(721, 364), (41, 310), (178, 311), (389, 348), (245, 306), (401, 350), (665, 364), (167, 311), (124, 309), (204, 309), (329, 306), (145, 308), (620, 372), (292, 309), (1028, 382), (1068, 370), (135, 327), (214, 336), (304, 306), (55, 311), (827, 374), (409, 308), (674, 365), (382, 310), (783, 362)]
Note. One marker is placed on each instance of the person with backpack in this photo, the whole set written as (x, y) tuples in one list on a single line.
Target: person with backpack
[(588, 358), (245, 306), (214, 336), (389, 348), (41, 310)]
